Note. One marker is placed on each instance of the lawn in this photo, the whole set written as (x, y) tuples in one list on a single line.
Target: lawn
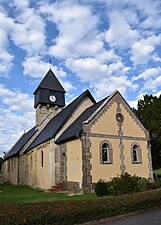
[(20, 194)]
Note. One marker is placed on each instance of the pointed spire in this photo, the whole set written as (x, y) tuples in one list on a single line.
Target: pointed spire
[(50, 82)]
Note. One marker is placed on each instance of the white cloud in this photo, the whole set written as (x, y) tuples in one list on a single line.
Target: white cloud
[(88, 69), (77, 36), (133, 104), (16, 114), (148, 74), (145, 13), (68, 86), (21, 4), (22, 31), (35, 67), (15, 100), (5, 56), (29, 35), (153, 84), (120, 34), (156, 58), (107, 86), (12, 127), (107, 56), (142, 50)]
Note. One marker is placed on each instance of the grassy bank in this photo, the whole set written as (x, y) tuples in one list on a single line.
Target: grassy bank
[(76, 211), (20, 194)]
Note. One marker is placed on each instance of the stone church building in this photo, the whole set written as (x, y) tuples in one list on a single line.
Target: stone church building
[(72, 147)]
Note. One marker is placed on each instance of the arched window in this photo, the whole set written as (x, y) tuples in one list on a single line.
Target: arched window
[(106, 152), (136, 153), (42, 159)]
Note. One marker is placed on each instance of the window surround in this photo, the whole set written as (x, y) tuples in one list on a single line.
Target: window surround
[(109, 153), (136, 155)]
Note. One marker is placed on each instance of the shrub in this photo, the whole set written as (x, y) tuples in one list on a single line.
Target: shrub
[(125, 184), (141, 184), (101, 188), (153, 185)]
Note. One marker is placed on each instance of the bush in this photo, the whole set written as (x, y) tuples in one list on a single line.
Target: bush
[(125, 184), (153, 185), (101, 188)]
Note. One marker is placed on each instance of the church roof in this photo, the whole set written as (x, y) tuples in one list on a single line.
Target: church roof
[(50, 82), (56, 123), (20, 143), (75, 129)]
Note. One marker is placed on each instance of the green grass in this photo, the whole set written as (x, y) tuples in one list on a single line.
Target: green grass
[(19, 194)]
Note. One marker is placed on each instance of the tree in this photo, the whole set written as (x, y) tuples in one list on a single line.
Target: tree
[(149, 113)]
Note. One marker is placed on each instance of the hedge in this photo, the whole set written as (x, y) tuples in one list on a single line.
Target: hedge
[(73, 212)]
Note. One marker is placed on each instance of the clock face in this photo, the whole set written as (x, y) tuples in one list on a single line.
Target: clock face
[(52, 98)]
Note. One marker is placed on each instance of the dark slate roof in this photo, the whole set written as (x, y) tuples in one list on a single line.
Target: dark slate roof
[(20, 143), (76, 128), (56, 123), (50, 82)]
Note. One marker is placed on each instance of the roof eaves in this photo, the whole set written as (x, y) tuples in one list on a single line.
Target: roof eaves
[(71, 138)]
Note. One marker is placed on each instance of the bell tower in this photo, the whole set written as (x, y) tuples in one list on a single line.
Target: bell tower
[(49, 97)]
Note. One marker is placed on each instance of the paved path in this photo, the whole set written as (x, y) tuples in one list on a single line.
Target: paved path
[(151, 217)]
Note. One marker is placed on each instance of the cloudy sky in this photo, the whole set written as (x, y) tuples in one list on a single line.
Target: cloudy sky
[(102, 45)]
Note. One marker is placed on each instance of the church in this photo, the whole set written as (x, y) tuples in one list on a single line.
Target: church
[(71, 147)]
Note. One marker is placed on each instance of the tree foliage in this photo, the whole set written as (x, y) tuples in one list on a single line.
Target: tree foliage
[(149, 113)]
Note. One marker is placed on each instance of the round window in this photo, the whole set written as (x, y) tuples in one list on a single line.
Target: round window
[(119, 118)]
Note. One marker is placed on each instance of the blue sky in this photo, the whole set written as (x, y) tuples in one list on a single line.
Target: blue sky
[(102, 45)]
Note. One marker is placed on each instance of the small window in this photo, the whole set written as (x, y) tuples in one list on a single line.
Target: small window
[(136, 153), (106, 152), (135, 150), (42, 159)]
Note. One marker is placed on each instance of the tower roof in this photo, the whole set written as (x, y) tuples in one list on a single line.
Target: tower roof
[(50, 82)]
